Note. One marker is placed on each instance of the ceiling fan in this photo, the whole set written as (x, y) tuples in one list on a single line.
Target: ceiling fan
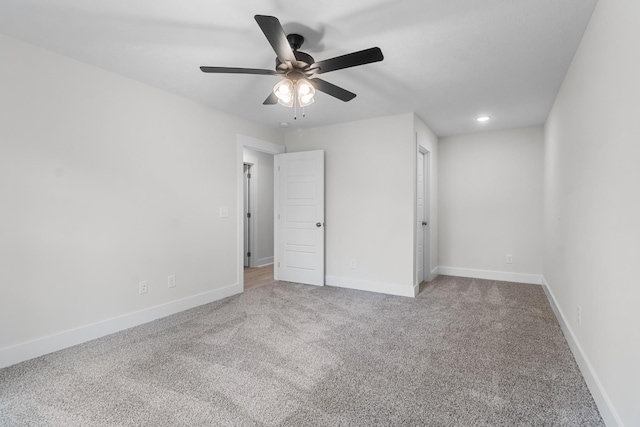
[(298, 69)]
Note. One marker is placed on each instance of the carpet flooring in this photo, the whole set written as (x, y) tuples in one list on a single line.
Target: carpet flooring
[(464, 352)]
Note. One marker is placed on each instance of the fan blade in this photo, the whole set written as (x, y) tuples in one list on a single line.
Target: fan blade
[(274, 33), (231, 70), (271, 99), (333, 90), (354, 59)]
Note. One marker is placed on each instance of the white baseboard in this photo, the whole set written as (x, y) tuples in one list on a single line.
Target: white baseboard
[(265, 261), (505, 276), (433, 274), (367, 285), (607, 411), (39, 347)]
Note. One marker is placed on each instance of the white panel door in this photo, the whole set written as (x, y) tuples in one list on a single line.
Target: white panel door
[(299, 217)]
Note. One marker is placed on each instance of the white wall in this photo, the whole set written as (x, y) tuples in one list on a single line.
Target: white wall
[(592, 207), (490, 204), (105, 182), (369, 199), (264, 209), (429, 141)]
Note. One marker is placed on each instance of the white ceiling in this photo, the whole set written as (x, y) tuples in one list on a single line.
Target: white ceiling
[(447, 60)]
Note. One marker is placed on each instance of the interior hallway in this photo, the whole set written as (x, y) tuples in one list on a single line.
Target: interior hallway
[(258, 276)]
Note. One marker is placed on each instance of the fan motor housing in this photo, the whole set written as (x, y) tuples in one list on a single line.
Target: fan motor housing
[(304, 59)]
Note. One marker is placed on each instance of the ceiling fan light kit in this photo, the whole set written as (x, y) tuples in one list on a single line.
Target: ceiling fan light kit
[(290, 92), (297, 69)]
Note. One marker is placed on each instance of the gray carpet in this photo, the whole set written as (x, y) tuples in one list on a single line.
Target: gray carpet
[(465, 352)]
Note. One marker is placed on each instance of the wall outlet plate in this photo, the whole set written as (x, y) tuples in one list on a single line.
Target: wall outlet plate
[(143, 287)]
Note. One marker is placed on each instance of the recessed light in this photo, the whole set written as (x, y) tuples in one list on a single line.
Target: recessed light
[(483, 118)]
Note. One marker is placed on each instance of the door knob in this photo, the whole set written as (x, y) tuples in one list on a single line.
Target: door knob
[(318, 224), (424, 222)]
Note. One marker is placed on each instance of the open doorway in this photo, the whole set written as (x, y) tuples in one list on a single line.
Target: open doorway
[(259, 266), (423, 226), (258, 218)]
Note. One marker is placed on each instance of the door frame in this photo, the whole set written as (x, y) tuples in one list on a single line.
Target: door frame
[(242, 142), (254, 233), (426, 265)]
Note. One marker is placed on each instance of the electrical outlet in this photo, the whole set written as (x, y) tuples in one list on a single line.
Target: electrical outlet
[(142, 287), (509, 259), (353, 263), (171, 281), (579, 315)]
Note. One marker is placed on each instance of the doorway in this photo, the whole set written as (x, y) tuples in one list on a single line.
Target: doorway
[(258, 217), (253, 232), (299, 242), (423, 233)]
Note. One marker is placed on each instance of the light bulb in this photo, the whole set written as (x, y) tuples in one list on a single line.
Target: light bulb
[(306, 100), (284, 90), (303, 88)]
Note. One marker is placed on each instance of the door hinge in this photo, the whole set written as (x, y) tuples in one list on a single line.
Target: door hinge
[(248, 176), (278, 265), (248, 214), (278, 168), (248, 254)]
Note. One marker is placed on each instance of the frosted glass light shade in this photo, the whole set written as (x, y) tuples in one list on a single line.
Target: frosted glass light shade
[(284, 92), (305, 92)]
